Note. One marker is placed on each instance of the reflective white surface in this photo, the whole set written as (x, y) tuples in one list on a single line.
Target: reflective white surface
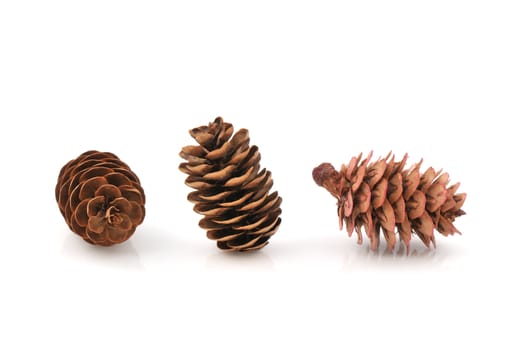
[(313, 83)]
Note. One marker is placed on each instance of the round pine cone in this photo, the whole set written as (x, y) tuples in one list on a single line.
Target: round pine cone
[(381, 196), (231, 192), (100, 198)]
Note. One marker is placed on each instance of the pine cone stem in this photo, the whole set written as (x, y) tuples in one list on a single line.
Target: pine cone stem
[(381, 196)]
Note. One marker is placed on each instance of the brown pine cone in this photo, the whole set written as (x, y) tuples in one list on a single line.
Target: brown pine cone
[(100, 198), (231, 192), (381, 196)]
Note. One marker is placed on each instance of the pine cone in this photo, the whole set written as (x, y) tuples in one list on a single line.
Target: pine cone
[(231, 192), (100, 198), (382, 196)]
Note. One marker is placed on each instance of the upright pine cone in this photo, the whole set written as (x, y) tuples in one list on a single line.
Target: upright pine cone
[(382, 196), (231, 192), (100, 198)]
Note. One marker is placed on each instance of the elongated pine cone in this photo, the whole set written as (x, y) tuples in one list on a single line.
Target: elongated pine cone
[(381, 196), (100, 198), (230, 190)]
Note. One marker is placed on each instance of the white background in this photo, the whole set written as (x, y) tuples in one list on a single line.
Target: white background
[(313, 81)]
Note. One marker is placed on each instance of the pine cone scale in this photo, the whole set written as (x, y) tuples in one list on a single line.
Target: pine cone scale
[(231, 220), (210, 209), (271, 229), (235, 202), (241, 155), (263, 176), (240, 244), (255, 203), (240, 180), (214, 196), (223, 236), (273, 201), (198, 183)]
